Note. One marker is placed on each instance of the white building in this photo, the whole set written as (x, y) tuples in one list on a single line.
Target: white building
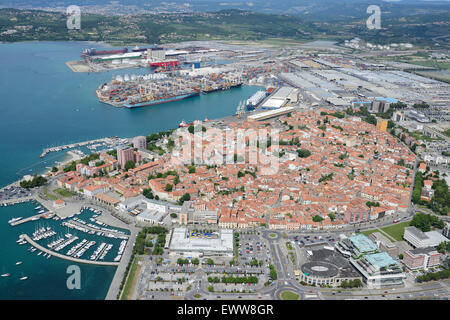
[(419, 239), (189, 244)]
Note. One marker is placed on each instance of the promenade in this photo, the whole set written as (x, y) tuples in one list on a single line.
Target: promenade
[(58, 255), (120, 271)]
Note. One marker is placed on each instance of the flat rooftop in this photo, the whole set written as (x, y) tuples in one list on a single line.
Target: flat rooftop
[(363, 243), (182, 240), (381, 259)]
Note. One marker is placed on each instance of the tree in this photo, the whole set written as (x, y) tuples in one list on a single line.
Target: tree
[(168, 187), (303, 153), (317, 218), (54, 169), (210, 261), (332, 216), (173, 215), (148, 193), (424, 222), (191, 169), (37, 181), (443, 247), (184, 197), (129, 165), (191, 129)]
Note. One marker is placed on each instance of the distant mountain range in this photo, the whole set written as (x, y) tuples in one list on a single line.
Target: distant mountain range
[(420, 24), (312, 10)]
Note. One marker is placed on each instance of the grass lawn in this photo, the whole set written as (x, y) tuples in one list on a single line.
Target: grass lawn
[(272, 235), (49, 195), (288, 295), (197, 295), (64, 192), (368, 232), (131, 282), (396, 230)]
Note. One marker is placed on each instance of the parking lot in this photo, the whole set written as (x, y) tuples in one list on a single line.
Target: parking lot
[(309, 240), (252, 247), (13, 192)]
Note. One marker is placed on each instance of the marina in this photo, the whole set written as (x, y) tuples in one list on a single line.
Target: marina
[(86, 114), (58, 255)]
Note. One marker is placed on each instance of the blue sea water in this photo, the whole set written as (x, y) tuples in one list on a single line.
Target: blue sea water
[(43, 103)]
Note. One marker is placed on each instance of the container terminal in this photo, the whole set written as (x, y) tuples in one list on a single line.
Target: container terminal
[(139, 91)]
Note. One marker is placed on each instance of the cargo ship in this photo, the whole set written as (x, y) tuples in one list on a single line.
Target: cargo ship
[(255, 100), (93, 52), (209, 89), (133, 104)]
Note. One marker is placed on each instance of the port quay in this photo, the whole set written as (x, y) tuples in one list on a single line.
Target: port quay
[(58, 255)]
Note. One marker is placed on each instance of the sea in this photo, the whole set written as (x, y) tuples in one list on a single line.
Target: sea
[(43, 103)]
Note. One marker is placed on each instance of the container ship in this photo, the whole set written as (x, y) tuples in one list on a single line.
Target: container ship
[(140, 91), (93, 52), (255, 100), (146, 90), (148, 102)]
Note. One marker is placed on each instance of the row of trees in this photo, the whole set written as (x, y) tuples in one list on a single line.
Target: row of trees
[(233, 279), (273, 272), (444, 274), (356, 283), (194, 261)]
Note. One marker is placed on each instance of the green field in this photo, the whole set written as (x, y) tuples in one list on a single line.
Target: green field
[(130, 285), (368, 232), (49, 195), (64, 192), (396, 230), (288, 295)]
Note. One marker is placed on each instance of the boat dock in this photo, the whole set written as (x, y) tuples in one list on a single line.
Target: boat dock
[(109, 231), (32, 218), (58, 255), (72, 145)]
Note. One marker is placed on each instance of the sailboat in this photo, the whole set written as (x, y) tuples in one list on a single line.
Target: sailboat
[(5, 274)]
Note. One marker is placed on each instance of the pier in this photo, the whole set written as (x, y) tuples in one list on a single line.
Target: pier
[(32, 218), (112, 232), (72, 145), (58, 255)]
